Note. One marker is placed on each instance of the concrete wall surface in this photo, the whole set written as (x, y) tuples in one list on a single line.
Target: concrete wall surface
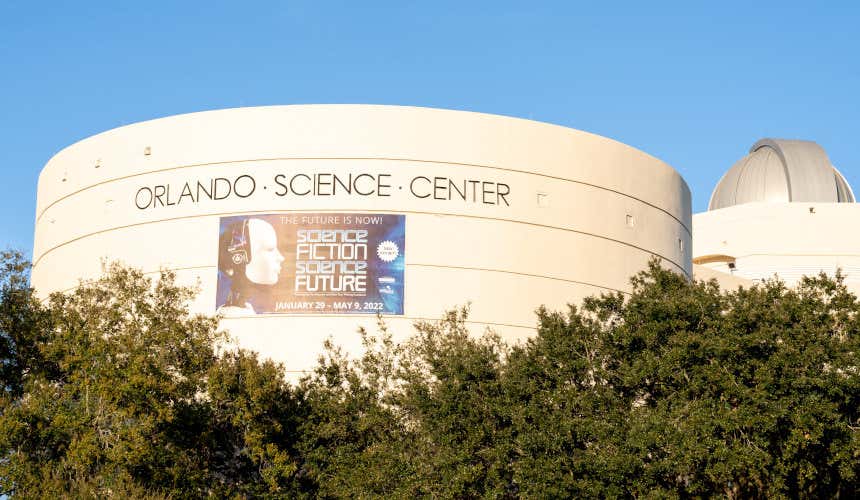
[(788, 240), (504, 213)]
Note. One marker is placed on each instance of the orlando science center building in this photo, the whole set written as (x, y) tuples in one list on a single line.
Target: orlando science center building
[(301, 223)]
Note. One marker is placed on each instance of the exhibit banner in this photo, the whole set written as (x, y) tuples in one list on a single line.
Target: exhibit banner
[(311, 263)]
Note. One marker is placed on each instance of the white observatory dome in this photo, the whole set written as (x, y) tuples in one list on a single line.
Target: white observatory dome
[(781, 170)]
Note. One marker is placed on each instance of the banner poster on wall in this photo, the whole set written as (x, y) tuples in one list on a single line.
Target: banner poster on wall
[(311, 263)]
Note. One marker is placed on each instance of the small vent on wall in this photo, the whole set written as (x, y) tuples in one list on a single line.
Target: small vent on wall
[(98, 163), (147, 151), (543, 200), (631, 222)]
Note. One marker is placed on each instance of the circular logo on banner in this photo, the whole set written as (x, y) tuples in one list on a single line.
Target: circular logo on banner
[(387, 251)]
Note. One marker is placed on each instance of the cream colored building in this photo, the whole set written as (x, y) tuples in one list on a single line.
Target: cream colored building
[(502, 213), (782, 210)]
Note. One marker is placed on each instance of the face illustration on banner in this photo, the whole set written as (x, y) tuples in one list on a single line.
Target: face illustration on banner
[(250, 258), (264, 266)]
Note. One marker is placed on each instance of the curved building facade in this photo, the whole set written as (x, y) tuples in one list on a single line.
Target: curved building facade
[(303, 222)]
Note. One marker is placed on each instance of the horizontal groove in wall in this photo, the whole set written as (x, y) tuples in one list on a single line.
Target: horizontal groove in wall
[(503, 169), (414, 212), (344, 316), (810, 254), (172, 269), (190, 268), (529, 275)]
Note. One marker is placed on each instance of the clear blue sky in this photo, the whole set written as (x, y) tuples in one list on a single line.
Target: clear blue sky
[(693, 83)]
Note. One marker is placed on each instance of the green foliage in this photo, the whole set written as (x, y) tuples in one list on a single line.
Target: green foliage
[(750, 393), (676, 390), (121, 393), (22, 328)]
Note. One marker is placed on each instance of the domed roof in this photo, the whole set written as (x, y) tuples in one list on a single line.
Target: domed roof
[(781, 170)]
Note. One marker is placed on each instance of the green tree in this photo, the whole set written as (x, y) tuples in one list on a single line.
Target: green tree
[(748, 393), (252, 428), (677, 389), (22, 327), (117, 389)]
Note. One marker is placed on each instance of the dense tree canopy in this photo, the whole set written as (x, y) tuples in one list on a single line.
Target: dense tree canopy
[(678, 389)]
